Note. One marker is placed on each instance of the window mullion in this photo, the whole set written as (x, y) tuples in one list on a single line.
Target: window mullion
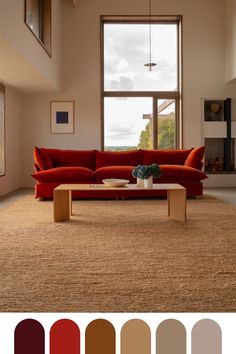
[(154, 123)]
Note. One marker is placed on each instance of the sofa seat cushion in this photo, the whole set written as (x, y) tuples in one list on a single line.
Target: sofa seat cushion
[(176, 173), (64, 174), (118, 158), (165, 157), (123, 172), (72, 158)]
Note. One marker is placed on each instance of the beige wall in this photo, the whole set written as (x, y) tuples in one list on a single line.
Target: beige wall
[(13, 127), (230, 40), (203, 74), (23, 62)]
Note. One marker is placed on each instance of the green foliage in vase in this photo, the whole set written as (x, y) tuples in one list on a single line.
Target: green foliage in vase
[(146, 171)]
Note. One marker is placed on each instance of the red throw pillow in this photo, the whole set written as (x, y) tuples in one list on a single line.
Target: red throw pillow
[(37, 158), (42, 159), (195, 157)]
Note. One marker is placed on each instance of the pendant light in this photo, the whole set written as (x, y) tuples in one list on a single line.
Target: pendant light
[(150, 65)]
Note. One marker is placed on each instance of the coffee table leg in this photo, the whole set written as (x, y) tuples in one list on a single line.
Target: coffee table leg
[(177, 204), (70, 197), (62, 205)]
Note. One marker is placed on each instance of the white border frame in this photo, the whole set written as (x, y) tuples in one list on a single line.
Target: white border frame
[(67, 106)]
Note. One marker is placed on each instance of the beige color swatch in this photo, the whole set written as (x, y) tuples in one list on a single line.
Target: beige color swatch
[(171, 338), (135, 337), (206, 338)]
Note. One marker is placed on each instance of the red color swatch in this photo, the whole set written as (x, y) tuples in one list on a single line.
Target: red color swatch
[(64, 337)]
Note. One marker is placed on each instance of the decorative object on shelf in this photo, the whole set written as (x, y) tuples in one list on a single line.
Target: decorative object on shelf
[(213, 110), (145, 174), (150, 64), (62, 117), (216, 107)]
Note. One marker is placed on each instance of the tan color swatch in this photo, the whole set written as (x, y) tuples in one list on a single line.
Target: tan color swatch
[(135, 338), (100, 337), (206, 338), (171, 338)]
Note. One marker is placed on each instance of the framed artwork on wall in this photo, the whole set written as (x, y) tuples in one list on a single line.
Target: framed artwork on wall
[(62, 117)]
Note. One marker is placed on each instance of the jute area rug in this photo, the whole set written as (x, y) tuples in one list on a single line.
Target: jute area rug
[(118, 256)]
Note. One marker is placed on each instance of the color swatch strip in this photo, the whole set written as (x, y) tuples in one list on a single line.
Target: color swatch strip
[(134, 336)]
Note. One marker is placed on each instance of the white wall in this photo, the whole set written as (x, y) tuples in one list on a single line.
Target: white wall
[(13, 144), (23, 61), (203, 73), (230, 40)]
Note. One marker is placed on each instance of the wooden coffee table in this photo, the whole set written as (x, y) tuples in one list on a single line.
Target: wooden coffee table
[(176, 196)]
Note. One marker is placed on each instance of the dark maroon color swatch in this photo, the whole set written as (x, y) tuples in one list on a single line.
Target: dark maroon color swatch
[(29, 338)]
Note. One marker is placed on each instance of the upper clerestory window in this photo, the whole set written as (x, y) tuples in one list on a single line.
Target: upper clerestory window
[(38, 19)]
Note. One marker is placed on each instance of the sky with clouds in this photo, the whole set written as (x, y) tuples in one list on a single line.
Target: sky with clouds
[(126, 50)]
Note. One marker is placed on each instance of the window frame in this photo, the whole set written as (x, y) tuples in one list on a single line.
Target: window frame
[(155, 95), (46, 44), (3, 89)]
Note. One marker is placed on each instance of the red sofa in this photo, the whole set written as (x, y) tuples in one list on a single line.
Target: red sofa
[(54, 167)]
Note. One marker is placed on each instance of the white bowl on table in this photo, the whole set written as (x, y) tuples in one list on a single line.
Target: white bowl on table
[(115, 182)]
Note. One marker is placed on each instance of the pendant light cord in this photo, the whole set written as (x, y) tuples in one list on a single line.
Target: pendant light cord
[(150, 32), (150, 64)]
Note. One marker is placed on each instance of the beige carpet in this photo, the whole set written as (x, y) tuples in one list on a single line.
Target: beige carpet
[(118, 256)]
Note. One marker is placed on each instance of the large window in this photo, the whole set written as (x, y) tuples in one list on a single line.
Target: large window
[(2, 130), (141, 108), (38, 19)]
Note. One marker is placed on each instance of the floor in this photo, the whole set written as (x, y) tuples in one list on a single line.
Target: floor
[(228, 195), (11, 197), (116, 256)]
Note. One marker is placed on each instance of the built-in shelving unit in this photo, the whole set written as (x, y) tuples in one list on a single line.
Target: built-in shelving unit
[(219, 133)]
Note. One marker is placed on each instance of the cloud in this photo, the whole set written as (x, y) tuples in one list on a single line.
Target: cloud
[(122, 84), (125, 49), (119, 132)]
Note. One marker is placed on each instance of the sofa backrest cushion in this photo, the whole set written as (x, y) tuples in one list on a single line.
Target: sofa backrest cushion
[(118, 158), (72, 158), (165, 157), (195, 157), (42, 159)]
